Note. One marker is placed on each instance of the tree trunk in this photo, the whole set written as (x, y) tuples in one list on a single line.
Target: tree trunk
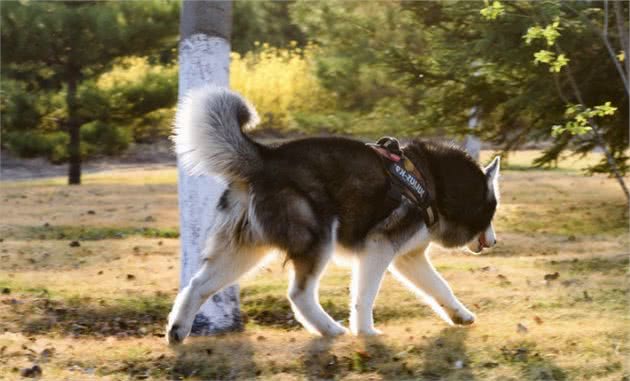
[(74, 146), (204, 58), (472, 144)]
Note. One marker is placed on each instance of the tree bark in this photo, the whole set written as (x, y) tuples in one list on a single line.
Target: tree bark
[(204, 58), (74, 146), (472, 144)]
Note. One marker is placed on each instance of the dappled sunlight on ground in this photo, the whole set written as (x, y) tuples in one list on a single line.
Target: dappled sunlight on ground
[(87, 279)]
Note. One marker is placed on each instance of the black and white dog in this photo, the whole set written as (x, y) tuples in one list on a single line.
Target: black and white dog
[(316, 197)]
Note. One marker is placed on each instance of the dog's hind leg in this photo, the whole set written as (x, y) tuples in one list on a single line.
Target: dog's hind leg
[(303, 293), (415, 270), (221, 268), (367, 274)]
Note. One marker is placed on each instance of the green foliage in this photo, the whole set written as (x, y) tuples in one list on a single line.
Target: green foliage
[(418, 68), (56, 52), (82, 38), (492, 11), (263, 22), (580, 117), (101, 138), (51, 145), (550, 33), (555, 63)]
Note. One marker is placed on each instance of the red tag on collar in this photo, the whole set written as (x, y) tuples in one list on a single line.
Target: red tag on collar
[(386, 153)]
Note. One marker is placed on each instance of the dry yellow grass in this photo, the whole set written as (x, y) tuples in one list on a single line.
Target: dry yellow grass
[(97, 311)]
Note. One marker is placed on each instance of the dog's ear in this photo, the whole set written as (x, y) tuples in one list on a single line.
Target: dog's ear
[(492, 174)]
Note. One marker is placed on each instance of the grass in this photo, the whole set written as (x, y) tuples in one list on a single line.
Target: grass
[(91, 233), (97, 310)]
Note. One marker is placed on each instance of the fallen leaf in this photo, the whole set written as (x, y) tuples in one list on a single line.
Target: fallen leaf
[(538, 320), (554, 276), (363, 354), (32, 372)]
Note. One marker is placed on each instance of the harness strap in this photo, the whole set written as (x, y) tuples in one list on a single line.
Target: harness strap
[(407, 180)]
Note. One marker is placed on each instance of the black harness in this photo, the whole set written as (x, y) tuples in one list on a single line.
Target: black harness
[(406, 181)]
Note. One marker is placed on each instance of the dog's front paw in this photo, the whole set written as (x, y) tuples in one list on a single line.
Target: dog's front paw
[(463, 317), (367, 332), (335, 330), (176, 332)]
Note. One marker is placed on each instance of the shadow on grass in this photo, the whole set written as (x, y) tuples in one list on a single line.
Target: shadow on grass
[(85, 317), (275, 311), (318, 363), (373, 356), (227, 356), (222, 357), (531, 363), (445, 357)]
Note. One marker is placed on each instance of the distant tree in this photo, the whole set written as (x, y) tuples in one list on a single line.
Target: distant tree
[(63, 45), (418, 68), (132, 102), (264, 21)]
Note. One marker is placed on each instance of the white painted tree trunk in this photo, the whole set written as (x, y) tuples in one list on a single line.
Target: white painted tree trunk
[(203, 60), (472, 144)]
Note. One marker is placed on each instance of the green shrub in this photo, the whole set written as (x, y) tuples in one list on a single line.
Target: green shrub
[(101, 138), (52, 145), (153, 126)]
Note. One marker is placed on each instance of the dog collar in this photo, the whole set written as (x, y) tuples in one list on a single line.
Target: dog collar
[(406, 179)]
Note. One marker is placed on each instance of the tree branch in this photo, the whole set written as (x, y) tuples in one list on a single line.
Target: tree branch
[(596, 131), (623, 34), (604, 38)]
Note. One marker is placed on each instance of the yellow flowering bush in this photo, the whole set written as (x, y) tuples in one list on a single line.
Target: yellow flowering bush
[(280, 83)]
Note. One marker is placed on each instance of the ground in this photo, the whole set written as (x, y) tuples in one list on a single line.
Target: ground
[(87, 276)]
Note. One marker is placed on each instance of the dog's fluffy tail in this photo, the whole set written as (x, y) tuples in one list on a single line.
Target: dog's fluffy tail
[(209, 136)]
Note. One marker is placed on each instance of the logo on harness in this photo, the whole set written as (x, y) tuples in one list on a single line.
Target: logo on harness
[(409, 180)]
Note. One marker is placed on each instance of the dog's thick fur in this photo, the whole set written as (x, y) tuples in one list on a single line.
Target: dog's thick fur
[(314, 197)]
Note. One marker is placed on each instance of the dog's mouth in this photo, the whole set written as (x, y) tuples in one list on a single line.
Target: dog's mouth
[(478, 245)]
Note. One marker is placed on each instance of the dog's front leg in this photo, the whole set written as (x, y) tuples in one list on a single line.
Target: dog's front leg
[(367, 275), (223, 267), (419, 273)]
